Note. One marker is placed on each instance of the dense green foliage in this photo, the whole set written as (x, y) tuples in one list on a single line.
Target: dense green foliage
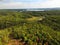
[(18, 25)]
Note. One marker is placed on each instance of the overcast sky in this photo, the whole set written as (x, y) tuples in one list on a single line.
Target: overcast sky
[(14, 4)]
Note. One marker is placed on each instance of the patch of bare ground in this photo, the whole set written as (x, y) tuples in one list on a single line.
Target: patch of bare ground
[(18, 42), (15, 42)]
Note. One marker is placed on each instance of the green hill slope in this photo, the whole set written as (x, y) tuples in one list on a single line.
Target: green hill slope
[(30, 28)]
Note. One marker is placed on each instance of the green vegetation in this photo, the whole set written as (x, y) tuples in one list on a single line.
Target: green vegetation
[(30, 28)]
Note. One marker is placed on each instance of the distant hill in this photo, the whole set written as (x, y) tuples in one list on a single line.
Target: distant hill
[(42, 9), (31, 9)]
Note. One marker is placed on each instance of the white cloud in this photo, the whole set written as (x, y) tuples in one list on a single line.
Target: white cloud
[(51, 3), (46, 4)]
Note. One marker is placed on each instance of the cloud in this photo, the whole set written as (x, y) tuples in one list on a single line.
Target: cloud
[(45, 4), (1, 0), (51, 3)]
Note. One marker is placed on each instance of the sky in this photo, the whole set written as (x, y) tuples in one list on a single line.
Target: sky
[(17, 4)]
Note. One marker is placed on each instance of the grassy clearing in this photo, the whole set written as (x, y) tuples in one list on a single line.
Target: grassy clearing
[(35, 18)]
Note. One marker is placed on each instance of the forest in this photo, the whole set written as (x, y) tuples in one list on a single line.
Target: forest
[(30, 27)]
